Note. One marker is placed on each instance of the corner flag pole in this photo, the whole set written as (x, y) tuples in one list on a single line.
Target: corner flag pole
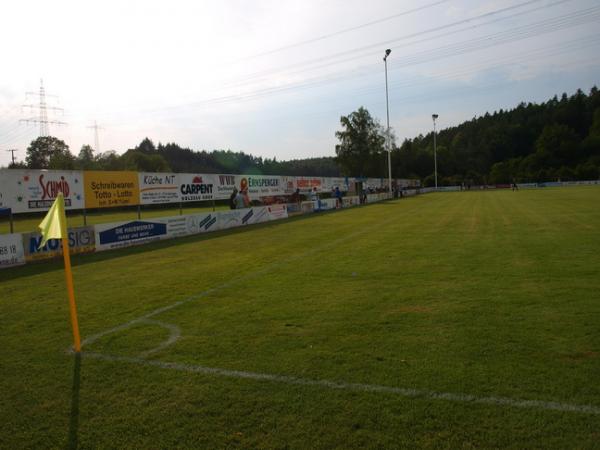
[(70, 290), (54, 226)]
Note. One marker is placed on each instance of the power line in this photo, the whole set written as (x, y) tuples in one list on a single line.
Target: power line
[(96, 127), (344, 31), (526, 31), (42, 120), (331, 59), (336, 60)]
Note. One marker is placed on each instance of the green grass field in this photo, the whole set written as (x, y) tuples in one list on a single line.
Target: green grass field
[(446, 320)]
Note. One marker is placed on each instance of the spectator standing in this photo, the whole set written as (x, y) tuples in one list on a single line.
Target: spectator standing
[(314, 197), (232, 198), (241, 200), (338, 196)]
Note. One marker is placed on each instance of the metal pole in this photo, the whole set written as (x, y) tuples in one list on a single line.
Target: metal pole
[(434, 116), (387, 105)]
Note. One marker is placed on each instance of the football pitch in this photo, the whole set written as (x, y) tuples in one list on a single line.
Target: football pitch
[(468, 319)]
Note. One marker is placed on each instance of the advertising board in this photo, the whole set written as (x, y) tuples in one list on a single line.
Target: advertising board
[(288, 184), (232, 219), (259, 186), (196, 187), (11, 250), (110, 189), (308, 183), (4, 189), (277, 212), (241, 217), (353, 200), (225, 184), (202, 223), (81, 240), (125, 234), (330, 183), (327, 204), (36, 190), (307, 207), (156, 188)]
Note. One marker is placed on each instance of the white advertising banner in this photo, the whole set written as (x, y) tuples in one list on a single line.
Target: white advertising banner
[(277, 212), (232, 219), (225, 184), (259, 186), (351, 201), (241, 217), (135, 232), (202, 223), (327, 204), (11, 250), (330, 183), (156, 188), (36, 190), (196, 187), (4, 188), (288, 184)]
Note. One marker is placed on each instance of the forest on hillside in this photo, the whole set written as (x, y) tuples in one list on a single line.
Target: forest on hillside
[(555, 140)]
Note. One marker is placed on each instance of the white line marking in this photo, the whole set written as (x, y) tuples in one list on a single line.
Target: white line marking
[(175, 334), (266, 269), (404, 392)]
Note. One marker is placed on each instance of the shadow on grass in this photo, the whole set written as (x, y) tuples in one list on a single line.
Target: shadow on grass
[(72, 442), (43, 266)]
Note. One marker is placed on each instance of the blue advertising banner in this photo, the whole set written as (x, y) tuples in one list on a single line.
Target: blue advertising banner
[(128, 233), (81, 240)]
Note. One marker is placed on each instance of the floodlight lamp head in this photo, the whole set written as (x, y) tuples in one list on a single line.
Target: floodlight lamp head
[(387, 53), (434, 116)]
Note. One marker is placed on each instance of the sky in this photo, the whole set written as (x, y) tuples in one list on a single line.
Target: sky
[(273, 77)]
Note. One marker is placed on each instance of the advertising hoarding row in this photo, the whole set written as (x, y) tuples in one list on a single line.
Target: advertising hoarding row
[(21, 248), (124, 234), (35, 190), (17, 249)]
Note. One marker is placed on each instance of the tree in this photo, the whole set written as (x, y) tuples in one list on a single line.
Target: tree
[(557, 145), (86, 159), (109, 161), (62, 161), (142, 162), (48, 152), (361, 144), (146, 146)]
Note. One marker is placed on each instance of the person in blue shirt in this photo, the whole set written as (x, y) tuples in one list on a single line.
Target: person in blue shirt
[(338, 196)]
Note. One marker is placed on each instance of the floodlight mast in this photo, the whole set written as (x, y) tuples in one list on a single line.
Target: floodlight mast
[(434, 116), (387, 105)]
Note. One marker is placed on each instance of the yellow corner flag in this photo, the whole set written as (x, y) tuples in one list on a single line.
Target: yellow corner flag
[(54, 226), (54, 222)]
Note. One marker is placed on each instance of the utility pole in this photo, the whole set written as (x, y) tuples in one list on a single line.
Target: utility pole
[(435, 116), (96, 127), (387, 106), (13, 150), (43, 108)]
